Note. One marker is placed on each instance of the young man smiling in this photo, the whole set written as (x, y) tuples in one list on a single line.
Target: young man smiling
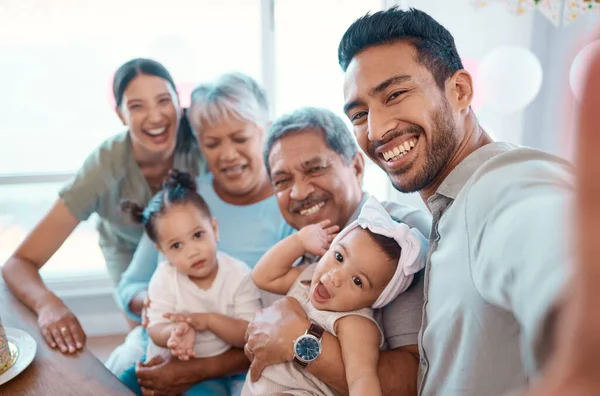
[(498, 258)]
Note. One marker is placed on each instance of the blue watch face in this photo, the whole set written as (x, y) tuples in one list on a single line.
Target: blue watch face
[(308, 349)]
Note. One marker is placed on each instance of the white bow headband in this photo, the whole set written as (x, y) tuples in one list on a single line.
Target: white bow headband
[(413, 244)]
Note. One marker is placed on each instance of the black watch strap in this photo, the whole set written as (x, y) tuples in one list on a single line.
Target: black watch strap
[(300, 362), (314, 330)]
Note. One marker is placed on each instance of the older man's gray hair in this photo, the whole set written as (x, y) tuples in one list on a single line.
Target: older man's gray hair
[(231, 95), (334, 130)]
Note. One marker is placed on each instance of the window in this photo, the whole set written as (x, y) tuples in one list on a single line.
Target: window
[(22, 206), (57, 62), (56, 65), (307, 35)]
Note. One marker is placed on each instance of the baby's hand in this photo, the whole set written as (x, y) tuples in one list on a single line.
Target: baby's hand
[(198, 321), (316, 238), (181, 341)]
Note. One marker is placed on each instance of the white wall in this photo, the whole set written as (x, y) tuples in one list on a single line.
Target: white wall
[(549, 122), (477, 32)]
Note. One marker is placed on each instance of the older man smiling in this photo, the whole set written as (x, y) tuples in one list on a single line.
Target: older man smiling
[(317, 172)]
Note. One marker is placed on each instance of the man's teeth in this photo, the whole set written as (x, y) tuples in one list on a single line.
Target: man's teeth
[(156, 132), (312, 209), (399, 151)]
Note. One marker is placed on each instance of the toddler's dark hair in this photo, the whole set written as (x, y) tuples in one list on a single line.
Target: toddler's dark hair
[(179, 188)]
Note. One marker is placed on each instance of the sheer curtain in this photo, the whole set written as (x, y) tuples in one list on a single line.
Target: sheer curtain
[(547, 124)]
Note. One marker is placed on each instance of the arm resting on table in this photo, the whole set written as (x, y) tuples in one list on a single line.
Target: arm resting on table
[(21, 270)]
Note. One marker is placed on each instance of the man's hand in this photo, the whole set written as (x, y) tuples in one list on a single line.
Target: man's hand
[(181, 341), (316, 238), (198, 321), (270, 336), (162, 377)]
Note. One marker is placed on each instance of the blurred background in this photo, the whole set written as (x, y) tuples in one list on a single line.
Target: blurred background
[(57, 59)]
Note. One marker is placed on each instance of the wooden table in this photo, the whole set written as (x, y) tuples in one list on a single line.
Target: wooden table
[(51, 373)]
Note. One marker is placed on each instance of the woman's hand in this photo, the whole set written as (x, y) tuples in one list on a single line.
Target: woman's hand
[(60, 327), (316, 238)]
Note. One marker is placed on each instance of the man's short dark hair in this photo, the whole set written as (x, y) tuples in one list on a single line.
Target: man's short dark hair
[(435, 45), (334, 130)]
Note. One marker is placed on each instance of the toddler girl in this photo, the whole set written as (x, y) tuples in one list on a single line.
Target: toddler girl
[(194, 278)]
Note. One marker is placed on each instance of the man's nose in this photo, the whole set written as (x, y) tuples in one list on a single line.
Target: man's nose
[(301, 190), (379, 124)]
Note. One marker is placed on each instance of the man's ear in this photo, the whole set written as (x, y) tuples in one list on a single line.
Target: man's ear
[(358, 165), (461, 89)]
